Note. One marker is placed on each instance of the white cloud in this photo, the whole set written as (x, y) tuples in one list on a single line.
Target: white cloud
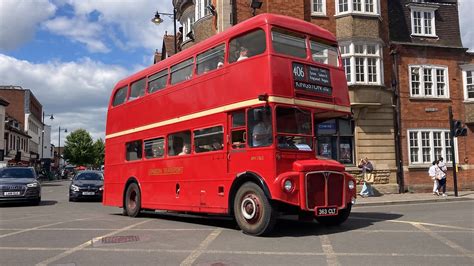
[(77, 93), (78, 29), (466, 23), (19, 20), (126, 23)]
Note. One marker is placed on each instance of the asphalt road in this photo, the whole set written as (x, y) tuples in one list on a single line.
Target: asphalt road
[(59, 232)]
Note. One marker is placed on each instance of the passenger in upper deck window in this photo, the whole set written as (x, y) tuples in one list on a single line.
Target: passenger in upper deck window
[(186, 149), (243, 53)]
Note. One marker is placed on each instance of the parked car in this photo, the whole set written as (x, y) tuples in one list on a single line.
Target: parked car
[(68, 171), (19, 184), (86, 185)]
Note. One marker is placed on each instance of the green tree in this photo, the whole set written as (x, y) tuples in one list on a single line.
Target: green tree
[(99, 151), (79, 148)]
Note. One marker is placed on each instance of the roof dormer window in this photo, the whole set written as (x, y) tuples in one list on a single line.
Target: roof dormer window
[(423, 21)]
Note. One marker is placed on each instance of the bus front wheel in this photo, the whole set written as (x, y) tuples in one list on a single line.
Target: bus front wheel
[(335, 220), (253, 211), (132, 204)]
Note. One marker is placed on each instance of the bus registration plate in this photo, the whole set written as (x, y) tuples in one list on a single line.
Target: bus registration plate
[(326, 211)]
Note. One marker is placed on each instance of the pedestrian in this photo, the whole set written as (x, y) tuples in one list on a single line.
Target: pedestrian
[(433, 176), (442, 170), (367, 169)]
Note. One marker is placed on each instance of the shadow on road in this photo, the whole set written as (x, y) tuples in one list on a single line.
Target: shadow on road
[(285, 226), (27, 204), (289, 226)]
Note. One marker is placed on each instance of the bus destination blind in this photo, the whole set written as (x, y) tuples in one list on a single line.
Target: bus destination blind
[(311, 79)]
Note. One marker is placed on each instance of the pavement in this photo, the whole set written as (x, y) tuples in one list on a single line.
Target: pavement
[(389, 199)]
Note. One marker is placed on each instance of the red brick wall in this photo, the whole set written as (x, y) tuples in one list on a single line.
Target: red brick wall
[(414, 115), (16, 109), (283, 7)]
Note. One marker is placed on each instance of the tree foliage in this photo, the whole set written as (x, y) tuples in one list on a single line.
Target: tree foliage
[(79, 148), (99, 151)]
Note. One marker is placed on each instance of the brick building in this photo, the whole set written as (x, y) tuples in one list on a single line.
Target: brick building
[(25, 113), (373, 36), (430, 65)]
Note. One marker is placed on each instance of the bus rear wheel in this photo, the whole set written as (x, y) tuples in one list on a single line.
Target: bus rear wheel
[(335, 220), (253, 211), (132, 204)]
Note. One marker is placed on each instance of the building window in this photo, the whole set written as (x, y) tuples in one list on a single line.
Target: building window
[(201, 9), (362, 63), (335, 140), (318, 7), (468, 82), (428, 82), (426, 145), (187, 23), (357, 6), (423, 21)]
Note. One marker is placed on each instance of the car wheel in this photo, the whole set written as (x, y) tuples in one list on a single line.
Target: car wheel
[(335, 220), (36, 202), (132, 200), (253, 211)]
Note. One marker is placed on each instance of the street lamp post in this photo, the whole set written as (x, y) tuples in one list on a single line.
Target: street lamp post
[(158, 20), (42, 133), (59, 143)]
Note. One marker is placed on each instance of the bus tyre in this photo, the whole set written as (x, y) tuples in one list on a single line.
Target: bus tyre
[(253, 211), (335, 220), (132, 200)]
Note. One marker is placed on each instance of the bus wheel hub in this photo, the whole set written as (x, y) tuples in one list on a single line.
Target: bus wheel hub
[(250, 207)]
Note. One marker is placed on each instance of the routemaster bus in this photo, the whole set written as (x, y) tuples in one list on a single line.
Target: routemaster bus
[(228, 127)]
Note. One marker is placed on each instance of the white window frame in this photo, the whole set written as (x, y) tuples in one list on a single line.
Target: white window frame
[(350, 3), (187, 23), (444, 141), (423, 10), (200, 9), (434, 81), (465, 69), (349, 52), (318, 13)]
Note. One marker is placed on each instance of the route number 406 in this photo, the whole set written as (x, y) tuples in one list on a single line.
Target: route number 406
[(298, 71)]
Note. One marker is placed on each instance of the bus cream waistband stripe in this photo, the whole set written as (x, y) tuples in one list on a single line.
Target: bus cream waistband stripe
[(272, 99)]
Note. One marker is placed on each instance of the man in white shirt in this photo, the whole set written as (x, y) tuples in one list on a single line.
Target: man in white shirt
[(262, 131), (432, 174), (443, 170)]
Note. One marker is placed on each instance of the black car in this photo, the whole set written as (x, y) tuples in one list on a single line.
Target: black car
[(19, 184), (87, 185)]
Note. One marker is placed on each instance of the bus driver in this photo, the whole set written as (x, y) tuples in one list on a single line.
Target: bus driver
[(262, 131)]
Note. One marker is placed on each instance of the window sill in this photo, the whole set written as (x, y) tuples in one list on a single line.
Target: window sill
[(360, 14), (425, 166), (424, 36), (319, 15), (429, 99)]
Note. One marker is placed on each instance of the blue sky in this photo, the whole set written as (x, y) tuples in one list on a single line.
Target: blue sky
[(70, 53)]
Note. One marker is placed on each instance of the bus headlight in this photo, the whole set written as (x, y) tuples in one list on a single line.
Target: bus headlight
[(351, 184), (288, 185)]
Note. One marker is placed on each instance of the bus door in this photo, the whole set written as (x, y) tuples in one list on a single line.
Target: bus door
[(237, 142)]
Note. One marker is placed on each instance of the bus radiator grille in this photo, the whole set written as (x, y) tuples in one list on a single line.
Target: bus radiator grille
[(320, 184)]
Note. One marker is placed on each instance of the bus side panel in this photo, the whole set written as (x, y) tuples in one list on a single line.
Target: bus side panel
[(113, 179)]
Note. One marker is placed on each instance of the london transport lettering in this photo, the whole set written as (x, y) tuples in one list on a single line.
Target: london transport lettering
[(312, 79)]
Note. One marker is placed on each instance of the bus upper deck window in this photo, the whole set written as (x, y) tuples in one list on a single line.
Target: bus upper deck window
[(157, 81), (182, 71), (323, 53), (137, 89), (120, 96), (247, 45), (210, 59), (289, 43)]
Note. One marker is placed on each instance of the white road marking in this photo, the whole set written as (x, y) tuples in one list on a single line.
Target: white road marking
[(444, 240), (107, 229), (86, 244), (239, 252), (200, 249), (39, 227), (331, 257), (413, 222)]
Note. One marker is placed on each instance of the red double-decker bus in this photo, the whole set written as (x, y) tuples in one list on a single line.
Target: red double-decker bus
[(228, 127)]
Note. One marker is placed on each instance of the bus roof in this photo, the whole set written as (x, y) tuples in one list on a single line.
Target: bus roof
[(257, 21)]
